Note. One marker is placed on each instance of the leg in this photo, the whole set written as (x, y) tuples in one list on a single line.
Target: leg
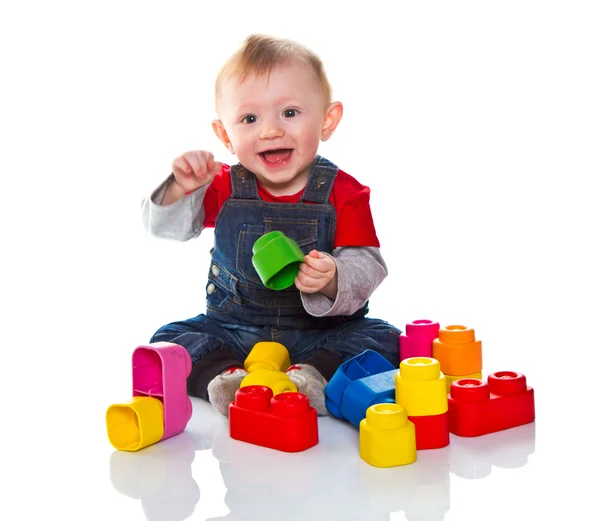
[(214, 347)]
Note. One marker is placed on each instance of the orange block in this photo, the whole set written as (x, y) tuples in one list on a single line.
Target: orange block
[(457, 351)]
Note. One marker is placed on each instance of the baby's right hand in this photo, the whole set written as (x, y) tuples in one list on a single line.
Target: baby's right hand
[(195, 169)]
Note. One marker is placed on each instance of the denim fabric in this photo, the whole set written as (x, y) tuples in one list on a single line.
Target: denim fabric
[(241, 311)]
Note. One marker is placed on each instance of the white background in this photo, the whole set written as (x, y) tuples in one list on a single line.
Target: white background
[(475, 123)]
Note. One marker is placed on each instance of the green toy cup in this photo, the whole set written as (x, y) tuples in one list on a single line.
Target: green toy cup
[(276, 259)]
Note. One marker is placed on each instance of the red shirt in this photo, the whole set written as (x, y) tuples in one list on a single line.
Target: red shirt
[(354, 222)]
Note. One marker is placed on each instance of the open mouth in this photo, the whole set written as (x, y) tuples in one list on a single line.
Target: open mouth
[(278, 157)]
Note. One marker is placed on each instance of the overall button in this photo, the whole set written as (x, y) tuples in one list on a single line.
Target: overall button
[(215, 270), (210, 289), (321, 178)]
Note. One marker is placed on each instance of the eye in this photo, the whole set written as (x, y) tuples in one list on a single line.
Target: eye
[(290, 113), (250, 118)]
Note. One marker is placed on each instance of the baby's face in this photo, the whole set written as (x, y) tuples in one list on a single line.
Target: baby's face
[(274, 124)]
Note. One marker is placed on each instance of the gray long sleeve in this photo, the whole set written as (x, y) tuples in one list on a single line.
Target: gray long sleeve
[(180, 221), (360, 270)]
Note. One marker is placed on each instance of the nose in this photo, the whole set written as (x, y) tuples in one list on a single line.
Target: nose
[(271, 129)]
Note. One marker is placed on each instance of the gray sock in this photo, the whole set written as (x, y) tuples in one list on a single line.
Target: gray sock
[(311, 383), (222, 388)]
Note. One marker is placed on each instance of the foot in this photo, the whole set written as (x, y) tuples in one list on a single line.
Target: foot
[(222, 388), (311, 383)]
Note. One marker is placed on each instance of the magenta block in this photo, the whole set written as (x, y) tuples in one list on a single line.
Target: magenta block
[(418, 339), (160, 370)]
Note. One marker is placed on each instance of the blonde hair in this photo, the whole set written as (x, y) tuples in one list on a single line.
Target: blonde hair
[(260, 54)]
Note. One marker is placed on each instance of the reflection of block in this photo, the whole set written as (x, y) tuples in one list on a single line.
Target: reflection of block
[(418, 339), (277, 381), (362, 393), (365, 364), (267, 355), (457, 350), (476, 408), (284, 422), (387, 437), (450, 378)]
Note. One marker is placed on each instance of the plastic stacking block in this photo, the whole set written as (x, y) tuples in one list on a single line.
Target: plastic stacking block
[(421, 387), (418, 339), (450, 378), (278, 381), (361, 394), (160, 370), (365, 364), (457, 350), (160, 402), (135, 424), (476, 408), (387, 437), (276, 258), (432, 432), (267, 355), (285, 422)]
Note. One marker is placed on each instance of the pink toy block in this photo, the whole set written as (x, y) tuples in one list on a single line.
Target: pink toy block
[(418, 340), (160, 370)]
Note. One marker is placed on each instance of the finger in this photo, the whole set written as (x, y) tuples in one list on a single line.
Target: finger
[(198, 164), (214, 167), (322, 264), (315, 254), (304, 287), (181, 165), (310, 272), (308, 281)]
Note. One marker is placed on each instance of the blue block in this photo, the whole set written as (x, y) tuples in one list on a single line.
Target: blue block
[(365, 364), (362, 393)]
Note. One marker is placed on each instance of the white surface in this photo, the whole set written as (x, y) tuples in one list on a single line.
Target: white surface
[(476, 126)]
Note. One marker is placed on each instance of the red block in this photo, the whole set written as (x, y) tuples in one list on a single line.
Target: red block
[(284, 422), (431, 431), (476, 408)]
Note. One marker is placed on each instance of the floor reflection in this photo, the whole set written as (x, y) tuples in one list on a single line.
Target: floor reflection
[(329, 480)]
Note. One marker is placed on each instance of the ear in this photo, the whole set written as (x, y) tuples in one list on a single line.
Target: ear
[(333, 115), (221, 133)]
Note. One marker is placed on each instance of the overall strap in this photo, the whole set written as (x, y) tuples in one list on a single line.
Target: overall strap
[(320, 181), (243, 183)]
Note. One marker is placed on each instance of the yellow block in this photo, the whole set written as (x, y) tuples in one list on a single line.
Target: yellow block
[(387, 437), (267, 355), (278, 381), (450, 379), (421, 387), (136, 423)]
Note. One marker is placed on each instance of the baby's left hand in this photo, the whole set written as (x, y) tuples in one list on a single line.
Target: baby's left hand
[(317, 273)]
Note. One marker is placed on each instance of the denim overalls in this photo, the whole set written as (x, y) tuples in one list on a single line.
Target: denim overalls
[(241, 311)]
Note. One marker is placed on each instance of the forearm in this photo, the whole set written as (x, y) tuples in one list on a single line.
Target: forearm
[(359, 271), (181, 219)]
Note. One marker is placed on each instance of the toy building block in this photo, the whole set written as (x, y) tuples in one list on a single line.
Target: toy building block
[(432, 432), (135, 423), (421, 390), (387, 437), (276, 258), (267, 355), (421, 387), (278, 381), (418, 339), (285, 422), (457, 350), (365, 392), (476, 408), (450, 378), (160, 402), (365, 364)]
